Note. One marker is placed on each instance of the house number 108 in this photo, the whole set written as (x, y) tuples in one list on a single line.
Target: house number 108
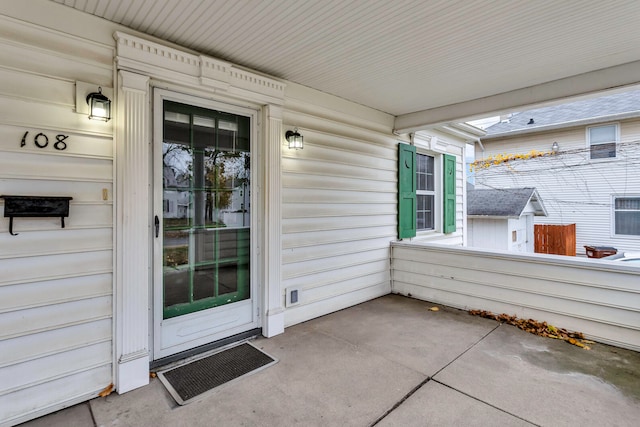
[(41, 141)]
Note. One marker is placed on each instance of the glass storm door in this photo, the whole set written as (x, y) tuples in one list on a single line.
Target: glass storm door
[(203, 236)]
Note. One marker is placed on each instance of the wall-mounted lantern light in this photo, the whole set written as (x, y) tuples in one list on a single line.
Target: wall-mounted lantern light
[(555, 147), (99, 106), (294, 138)]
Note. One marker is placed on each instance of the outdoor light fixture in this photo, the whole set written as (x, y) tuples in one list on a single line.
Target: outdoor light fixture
[(99, 106), (294, 138), (555, 147)]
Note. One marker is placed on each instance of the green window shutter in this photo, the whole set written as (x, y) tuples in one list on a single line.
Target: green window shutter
[(406, 191), (449, 185)]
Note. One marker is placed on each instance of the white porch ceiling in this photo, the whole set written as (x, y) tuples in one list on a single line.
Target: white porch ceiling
[(405, 57)]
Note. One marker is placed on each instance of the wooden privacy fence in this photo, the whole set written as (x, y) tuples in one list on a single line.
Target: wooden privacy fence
[(555, 239)]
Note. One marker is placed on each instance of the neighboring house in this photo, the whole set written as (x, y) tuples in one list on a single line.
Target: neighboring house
[(162, 253), (175, 204), (237, 213), (503, 218), (582, 157)]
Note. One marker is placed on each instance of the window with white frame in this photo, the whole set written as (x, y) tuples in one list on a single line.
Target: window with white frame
[(425, 192), (626, 215), (602, 141)]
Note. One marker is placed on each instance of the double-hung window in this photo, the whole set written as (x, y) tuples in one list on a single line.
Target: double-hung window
[(420, 178), (626, 216), (425, 192), (602, 141)]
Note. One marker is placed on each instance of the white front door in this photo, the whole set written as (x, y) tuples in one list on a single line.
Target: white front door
[(204, 229)]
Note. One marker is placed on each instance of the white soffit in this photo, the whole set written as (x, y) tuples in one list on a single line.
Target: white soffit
[(405, 56)]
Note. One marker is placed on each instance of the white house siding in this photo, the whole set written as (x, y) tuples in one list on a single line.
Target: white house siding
[(499, 233), (599, 298), (488, 233), (55, 284), (339, 204), (574, 188)]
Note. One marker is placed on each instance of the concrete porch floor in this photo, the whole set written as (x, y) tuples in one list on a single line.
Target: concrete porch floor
[(392, 362)]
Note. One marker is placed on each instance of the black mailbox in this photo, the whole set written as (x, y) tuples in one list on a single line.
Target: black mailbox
[(35, 207)]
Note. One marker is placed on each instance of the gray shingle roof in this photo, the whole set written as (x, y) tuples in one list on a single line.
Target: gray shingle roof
[(604, 106), (503, 202)]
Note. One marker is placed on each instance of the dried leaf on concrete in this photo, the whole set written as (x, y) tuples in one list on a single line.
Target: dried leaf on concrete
[(538, 328), (107, 391)]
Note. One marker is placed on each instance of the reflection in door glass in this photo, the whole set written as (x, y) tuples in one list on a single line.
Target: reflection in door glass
[(206, 210)]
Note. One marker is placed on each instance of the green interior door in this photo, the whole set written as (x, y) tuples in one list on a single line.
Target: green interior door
[(206, 208)]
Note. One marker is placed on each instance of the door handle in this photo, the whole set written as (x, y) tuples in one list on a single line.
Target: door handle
[(157, 222)]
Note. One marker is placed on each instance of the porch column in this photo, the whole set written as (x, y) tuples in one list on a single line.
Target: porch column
[(273, 323), (132, 232)]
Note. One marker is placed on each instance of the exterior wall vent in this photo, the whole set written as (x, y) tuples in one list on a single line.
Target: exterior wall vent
[(293, 297)]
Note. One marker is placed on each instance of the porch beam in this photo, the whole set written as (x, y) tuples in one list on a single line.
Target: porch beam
[(529, 97)]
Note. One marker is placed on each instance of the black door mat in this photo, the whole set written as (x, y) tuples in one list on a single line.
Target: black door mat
[(189, 381)]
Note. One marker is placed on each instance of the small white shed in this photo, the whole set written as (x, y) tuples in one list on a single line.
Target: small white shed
[(502, 218)]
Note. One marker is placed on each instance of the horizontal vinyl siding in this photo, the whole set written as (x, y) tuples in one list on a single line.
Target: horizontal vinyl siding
[(339, 214), (74, 386), (590, 296), (56, 284), (573, 188)]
